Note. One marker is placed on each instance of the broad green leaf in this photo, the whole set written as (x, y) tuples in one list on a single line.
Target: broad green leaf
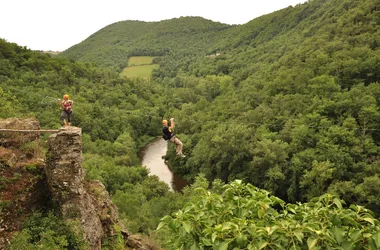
[(178, 242), (338, 203), (270, 230), (299, 235), (173, 225), (370, 220), (188, 208), (213, 237), (166, 218), (228, 226), (162, 223), (355, 235), (179, 214), (260, 213), (241, 240), (262, 244), (348, 221), (372, 244), (223, 246), (336, 220), (338, 235), (194, 246), (294, 247), (292, 210), (277, 200), (367, 235), (311, 242), (187, 226), (376, 239), (348, 245), (206, 242), (354, 207)]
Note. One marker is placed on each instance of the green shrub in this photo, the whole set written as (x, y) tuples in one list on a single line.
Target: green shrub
[(48, 232), (245, 217), (31, 148)]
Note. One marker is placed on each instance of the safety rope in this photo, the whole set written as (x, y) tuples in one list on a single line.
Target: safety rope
[(29, 130)]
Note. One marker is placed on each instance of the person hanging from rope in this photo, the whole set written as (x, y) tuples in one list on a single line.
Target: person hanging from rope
[(67, 110), (168, 134)]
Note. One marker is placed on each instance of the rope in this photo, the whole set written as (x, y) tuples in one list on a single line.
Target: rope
[(29, 130)]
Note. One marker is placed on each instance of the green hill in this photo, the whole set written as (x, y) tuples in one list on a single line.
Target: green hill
[(114, 44)]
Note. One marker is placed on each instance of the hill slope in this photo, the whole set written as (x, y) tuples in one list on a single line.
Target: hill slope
[(114, 44)]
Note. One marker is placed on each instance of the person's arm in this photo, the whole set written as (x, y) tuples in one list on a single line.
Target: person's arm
[(172, 124), (60, 103)]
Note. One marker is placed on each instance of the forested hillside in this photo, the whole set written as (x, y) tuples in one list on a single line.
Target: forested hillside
[(293, 108), (301, 114), (288, 102), (114, 44)]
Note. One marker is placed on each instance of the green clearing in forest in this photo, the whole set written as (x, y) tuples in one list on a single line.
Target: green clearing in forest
[(139, 60), (139, 66), (144, 71)]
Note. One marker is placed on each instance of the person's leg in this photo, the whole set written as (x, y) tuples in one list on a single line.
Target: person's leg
[(63, 118), (69, 113), (178, 143)]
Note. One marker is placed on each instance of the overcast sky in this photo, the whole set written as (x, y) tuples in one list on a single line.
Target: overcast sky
[(59, 24)]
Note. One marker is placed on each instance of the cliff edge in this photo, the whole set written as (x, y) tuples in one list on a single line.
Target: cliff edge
[(30, 183), (86, 202)]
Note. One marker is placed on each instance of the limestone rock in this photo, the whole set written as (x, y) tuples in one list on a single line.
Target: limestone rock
[(16, 139), (61, 178), (86, 202), (23, 188), (136, 242), (8, 157)]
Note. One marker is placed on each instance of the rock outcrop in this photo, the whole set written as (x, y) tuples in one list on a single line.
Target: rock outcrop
[(29, 183), (22, 177), (79, 200), (16, 139)]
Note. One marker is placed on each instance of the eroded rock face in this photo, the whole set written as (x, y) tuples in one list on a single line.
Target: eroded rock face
[(64, 164), (86, 202), (33, 182), (22, 176), (17, 139)]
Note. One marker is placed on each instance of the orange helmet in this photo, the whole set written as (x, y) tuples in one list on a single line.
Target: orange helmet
[(164, 122), (65, 96)]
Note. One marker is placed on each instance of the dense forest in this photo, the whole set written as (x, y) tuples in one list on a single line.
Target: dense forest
[(287, 103)]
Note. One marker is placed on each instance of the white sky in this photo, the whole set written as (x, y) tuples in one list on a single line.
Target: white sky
[(59, 24)]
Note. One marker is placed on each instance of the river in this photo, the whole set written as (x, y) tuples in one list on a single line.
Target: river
[(151, 157)]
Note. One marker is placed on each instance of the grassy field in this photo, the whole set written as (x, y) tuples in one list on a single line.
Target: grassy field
[(140, 60), (143, 71), (139, 66)]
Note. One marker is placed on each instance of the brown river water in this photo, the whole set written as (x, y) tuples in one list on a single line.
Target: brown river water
[(151, 157)]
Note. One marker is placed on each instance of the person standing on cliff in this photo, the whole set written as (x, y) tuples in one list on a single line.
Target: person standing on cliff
[(168, 134), (67, 109)]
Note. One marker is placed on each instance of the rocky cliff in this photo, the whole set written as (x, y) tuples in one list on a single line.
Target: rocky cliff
[(88, 203), (22, 178), (28, 183)]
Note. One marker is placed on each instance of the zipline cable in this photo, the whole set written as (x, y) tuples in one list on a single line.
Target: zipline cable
[(29, 130)]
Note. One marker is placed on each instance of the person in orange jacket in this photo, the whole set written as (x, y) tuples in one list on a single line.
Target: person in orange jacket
[(67, 110)]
